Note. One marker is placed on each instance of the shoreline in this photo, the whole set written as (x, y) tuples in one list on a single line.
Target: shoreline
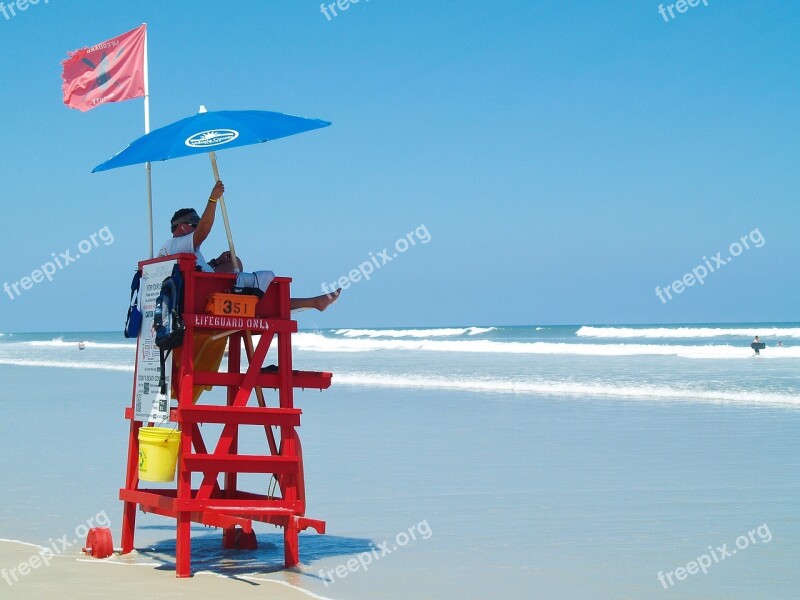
[(79, 576)]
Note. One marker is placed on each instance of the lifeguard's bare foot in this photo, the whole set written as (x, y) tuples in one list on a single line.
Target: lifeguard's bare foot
[(324, 301), (318, 302)]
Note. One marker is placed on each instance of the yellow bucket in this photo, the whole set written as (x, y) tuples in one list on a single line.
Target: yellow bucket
[(158, 453)]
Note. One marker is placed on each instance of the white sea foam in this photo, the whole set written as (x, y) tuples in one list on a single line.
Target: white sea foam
[(111, 561), (308, 593), (21, 543), (413, 333), (60, 343), (317, 343), (511, 386), (65, 354), (62, 364), (686, 332), (567, 388)]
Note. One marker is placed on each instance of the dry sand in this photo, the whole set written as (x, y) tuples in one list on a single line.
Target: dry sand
[(76, 576)]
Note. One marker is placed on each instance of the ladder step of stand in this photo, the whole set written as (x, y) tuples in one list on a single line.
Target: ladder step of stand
[(251, 510), (245, 415), (241, 463), (316, 380)]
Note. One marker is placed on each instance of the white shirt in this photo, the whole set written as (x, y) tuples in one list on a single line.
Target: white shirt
[(185, 244)]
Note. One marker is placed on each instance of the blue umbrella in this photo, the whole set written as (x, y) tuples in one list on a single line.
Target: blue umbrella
[(210, 131), (207, 132)]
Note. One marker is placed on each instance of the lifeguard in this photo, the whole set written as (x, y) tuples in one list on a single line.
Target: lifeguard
[(189, 231)]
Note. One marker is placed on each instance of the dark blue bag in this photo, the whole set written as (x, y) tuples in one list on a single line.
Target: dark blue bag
[(168, 320), (133, 322), (168, 315)]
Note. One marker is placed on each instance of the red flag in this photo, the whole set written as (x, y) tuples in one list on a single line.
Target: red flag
[(108, 72)]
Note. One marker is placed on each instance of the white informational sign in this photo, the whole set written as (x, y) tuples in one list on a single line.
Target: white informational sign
[(151, 406)]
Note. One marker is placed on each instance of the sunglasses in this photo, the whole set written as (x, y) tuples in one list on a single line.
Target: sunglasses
[(176, 225)]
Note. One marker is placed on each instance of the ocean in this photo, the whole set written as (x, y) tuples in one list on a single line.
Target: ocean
[(578, 461), (688, 363)]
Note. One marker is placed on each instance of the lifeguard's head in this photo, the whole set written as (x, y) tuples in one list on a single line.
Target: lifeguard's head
[(184, 221)]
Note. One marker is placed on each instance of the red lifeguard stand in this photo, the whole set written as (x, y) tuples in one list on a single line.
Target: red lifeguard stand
[(223, 504)]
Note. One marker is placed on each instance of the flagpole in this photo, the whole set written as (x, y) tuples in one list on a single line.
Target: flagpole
[(146, 131)]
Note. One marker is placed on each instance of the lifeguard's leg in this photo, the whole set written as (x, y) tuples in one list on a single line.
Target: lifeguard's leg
[(208, 356), (319, 302)]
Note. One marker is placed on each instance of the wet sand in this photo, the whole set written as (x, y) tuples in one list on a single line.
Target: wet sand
[(74, 575)]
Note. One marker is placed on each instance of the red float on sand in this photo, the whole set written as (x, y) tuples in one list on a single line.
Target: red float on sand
[(99, 543)]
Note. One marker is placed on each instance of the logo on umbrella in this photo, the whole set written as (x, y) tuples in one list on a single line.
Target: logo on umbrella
[(213, 137)]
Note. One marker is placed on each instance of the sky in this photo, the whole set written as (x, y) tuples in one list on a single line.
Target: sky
[(561, 160)]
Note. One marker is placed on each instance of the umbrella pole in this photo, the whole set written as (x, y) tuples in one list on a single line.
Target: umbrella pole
[(214, 168), (248, 334)]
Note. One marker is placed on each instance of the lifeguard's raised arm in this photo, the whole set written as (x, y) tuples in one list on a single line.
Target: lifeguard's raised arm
[(207, 220)]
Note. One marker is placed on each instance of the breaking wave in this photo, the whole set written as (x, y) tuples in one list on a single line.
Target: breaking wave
[(686, 332), (60, 343), (64, 364), (314, 342), (413, 333), (567, 388)]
